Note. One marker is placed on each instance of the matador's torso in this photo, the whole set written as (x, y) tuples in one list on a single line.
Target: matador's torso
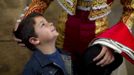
[(98, 11)]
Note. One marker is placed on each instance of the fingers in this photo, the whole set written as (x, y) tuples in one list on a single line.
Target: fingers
[(106, 57), (18, 40), (16, 26), (102, 53), (104, 60), (22, 45), (18, 22), (112, 59)]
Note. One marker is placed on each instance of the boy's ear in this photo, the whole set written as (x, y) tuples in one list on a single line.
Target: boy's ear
[(34, 40)]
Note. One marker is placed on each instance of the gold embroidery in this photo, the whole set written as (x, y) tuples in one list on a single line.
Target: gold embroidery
[(95, 14), (130, 21), (101, 25), (37, 6), (68, 6), (100, 8), (128, 13), (84, 3), (61, 29), (98, 2)]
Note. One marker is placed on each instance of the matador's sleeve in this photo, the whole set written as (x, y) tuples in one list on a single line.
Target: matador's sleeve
[(37, 6), (120, 36), (128, 13)]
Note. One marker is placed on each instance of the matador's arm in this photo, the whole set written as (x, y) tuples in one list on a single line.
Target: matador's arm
[(120, 36), (128, 13), (37, 6)]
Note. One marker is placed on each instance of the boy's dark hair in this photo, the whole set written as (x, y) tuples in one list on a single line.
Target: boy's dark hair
[(26, 30)]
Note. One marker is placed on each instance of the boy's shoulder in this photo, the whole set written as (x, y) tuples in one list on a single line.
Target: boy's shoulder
[(66, 56), (34, 67), (31, 66), (32, 63), (38, 60), (36, 64), (63, 52)]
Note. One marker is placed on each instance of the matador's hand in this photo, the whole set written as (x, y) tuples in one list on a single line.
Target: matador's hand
[(105, 55), (19, 41)]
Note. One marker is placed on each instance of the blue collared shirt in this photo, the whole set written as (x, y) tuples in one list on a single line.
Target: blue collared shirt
[(39, 60)]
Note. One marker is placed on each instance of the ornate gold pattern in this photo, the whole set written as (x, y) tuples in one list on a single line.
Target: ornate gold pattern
[(68, 5), (99, 13), (128, 13), (101, 25), (61, 29), (38, 6), (96, 3), (100, 8), (84, 3)]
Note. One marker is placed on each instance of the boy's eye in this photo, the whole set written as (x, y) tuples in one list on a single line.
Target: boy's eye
[(42, 24)]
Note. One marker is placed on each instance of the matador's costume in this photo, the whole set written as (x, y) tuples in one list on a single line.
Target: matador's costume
[(84, 20)]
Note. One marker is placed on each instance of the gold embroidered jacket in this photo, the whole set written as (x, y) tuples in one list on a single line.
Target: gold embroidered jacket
[(98, 11)]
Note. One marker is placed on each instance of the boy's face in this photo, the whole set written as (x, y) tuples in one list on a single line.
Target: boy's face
[(44, 30)]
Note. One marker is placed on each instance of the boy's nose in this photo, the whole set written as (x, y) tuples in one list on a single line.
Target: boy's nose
[(51, 24)]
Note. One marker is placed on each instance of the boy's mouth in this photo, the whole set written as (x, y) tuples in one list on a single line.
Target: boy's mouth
[(53, 29)]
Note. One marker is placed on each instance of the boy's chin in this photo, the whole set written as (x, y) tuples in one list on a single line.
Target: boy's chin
[(57, 34)]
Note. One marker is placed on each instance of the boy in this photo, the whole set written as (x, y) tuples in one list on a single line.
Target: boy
[(39, 36)]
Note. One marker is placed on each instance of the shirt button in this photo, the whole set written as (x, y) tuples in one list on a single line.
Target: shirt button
[(50, 72)]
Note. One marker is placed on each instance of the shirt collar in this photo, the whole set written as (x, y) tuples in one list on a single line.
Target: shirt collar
[(43, 60)]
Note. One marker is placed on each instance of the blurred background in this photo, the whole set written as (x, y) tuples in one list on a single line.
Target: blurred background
[(13, 57)]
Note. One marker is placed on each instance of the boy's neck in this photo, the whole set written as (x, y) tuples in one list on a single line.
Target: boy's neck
[(48, 48)]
